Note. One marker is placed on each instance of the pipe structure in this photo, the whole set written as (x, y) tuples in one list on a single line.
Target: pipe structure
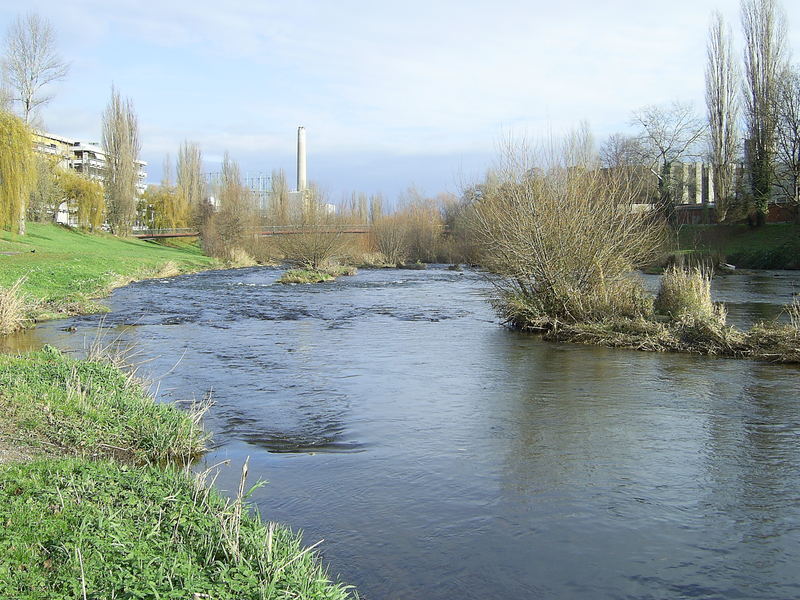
[(301, 159)]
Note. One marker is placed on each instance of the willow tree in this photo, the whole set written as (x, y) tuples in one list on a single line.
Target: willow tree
[(764, 63), (723, 112), (84, 196), (190, 183), (17, 171), (121, 145)]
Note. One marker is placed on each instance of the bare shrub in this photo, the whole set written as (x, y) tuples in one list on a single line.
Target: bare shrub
[(390, 237), (318, 241), (562, 234)]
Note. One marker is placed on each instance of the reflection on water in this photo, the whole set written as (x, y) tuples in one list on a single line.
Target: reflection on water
[(442, 456)]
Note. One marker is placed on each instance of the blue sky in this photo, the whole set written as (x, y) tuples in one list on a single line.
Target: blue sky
[(391, 93)]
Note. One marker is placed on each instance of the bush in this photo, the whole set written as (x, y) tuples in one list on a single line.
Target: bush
[(564, 235), (685, 295)]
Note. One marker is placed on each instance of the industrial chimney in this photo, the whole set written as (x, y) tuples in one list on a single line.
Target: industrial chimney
[(301, 159)]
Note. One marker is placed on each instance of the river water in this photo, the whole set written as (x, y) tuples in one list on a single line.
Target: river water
[(442, 456)]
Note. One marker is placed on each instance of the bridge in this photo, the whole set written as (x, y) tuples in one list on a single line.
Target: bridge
[(267, 230)]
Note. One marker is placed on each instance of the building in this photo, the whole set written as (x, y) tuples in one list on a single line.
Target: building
[(88, 158)]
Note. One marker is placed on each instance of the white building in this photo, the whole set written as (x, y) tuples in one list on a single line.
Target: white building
[(88, 158)]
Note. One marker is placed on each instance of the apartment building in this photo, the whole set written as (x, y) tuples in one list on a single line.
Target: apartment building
[(88, 158)]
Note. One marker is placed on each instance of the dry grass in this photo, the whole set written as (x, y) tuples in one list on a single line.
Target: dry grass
[(15, 309), (793, 310), (685, 295)]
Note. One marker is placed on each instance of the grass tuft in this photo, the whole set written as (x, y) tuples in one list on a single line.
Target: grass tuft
[(685, 296), (15, 308)]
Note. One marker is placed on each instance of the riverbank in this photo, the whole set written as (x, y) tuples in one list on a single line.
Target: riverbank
[(62, 271), (95, 502), (772, 246)]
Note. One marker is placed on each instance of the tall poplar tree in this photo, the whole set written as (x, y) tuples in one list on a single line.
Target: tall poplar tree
[(122, 147), (764, 61)]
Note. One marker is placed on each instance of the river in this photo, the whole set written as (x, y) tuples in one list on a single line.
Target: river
[(441, 456)]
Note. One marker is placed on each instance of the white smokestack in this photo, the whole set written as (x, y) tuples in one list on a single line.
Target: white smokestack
[(301, 159)]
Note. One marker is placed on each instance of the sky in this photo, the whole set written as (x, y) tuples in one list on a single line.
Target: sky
[(392, 94)]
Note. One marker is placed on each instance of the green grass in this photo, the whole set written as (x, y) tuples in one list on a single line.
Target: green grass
[(81, 529), (64, 268), (305, 276), (53, 404), (773, 246)]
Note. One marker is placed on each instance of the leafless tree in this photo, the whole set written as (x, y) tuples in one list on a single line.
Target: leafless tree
[(122, 147), (279, 198), (788, 134), (764, 28), (31, 62), (668, 133), (190, 182), (620, 150), (723, 112), (318, 242)]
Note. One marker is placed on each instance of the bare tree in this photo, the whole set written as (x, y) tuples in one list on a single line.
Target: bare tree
[(279, 198), (121, 145), (668, 134), (620, 150), (31, 62), (723, 112), (788, 135), (190, 183), (764, 28)]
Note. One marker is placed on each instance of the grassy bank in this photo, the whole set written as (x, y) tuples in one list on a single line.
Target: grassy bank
[(772, 246), (63, 269), (83, 529), (51, 404), (94, 503)]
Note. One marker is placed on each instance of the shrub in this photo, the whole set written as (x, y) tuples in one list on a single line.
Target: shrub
[(685, 295), (563, 235)]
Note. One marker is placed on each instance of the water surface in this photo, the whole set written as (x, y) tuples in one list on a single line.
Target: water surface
[(442, 456)]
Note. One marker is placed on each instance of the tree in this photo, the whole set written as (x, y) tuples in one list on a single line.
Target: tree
[(31, 62), (121, 145), (279, 198), (788, 135), (668, 134), (17, 171), (83, 195), (237, 212), (764, 60), (190, 183), (723, 113), (46, 194)]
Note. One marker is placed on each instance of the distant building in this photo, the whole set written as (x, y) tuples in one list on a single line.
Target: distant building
[(88, 158)]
